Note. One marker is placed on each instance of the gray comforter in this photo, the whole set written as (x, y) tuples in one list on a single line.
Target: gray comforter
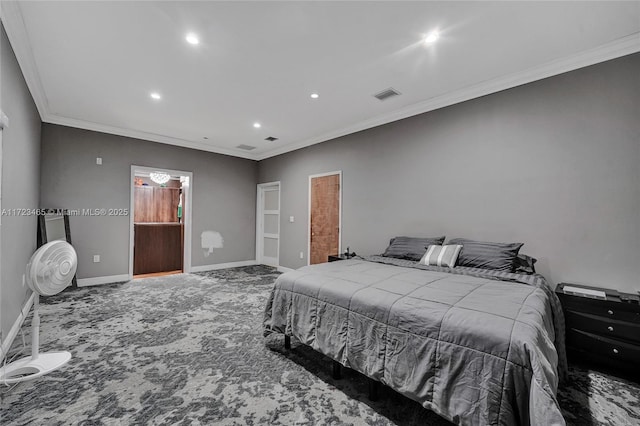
[(474, 347)]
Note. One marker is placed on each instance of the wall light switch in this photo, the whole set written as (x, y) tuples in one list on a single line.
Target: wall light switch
[(291, 219), (99, 161), (96, 258), (301, 255)]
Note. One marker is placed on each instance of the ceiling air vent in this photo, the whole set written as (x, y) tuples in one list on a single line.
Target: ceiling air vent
[(246, 147), (386, 94), (270, 139)]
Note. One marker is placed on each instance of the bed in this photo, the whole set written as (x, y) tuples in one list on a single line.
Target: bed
[(475, 346)]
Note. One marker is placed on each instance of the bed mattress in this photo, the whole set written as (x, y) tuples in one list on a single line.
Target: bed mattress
[(475, 346)]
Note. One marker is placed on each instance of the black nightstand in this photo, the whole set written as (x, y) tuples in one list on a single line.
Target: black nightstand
[(336, 257), (603, 332)]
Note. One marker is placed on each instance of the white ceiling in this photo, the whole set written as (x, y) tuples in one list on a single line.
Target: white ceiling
[(93, 65)]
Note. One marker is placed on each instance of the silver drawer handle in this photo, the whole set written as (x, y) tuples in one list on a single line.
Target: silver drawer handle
[(610, 312), (610, 328), (615, 351)]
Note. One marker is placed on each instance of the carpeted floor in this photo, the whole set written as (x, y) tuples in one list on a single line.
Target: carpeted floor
[(188, 349)]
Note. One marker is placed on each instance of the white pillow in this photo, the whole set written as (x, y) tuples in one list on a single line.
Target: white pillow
[(441, 255)]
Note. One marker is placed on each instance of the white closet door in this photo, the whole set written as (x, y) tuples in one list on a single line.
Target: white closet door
[(268, 241)]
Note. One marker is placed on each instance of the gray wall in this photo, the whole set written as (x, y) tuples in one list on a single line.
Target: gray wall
[(554, 164), (20, 183), (224, 192)]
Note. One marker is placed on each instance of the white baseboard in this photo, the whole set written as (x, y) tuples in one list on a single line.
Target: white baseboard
[(86, 282), (284, 269), (13, 332), (205, 268)]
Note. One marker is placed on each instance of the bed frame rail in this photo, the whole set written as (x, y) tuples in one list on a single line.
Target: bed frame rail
[(374, 385)]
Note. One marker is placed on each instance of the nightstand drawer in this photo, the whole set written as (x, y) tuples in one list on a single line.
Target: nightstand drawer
[(606, 327), (614, 310), (610, 348)]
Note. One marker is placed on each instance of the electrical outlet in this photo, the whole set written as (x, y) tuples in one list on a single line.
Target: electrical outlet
[(96, 258), (301, 255), (99, 161), (291, 219)]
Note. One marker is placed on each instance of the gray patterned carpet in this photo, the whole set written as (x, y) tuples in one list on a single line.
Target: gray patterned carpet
[(188, 349)]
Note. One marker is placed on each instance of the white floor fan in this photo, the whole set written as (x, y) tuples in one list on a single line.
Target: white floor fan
[(49, 271)]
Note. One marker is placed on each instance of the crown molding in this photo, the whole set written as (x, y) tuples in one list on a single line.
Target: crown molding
[(13, 22), (615, 49), (11, 16), (137, 134)]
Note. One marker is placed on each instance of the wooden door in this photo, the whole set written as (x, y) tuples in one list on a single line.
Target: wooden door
[(324, 232), (143, 204), (156, 204), (166, 204)]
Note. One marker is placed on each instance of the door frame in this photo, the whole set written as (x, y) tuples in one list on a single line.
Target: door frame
[(186, 261), (3, 122), (339, 173), (260, 188)]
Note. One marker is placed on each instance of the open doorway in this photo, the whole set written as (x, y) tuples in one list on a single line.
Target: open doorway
[(160, 224)]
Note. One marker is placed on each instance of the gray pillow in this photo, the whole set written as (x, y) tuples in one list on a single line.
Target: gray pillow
[(525, 264), (410, 248), (487, 255)]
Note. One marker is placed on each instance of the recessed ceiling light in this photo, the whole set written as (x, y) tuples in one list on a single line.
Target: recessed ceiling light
[(315, 96), (432, 37), (156, 96), (257, 125), (192, 38)]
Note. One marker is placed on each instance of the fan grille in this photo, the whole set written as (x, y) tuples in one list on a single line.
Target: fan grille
[(52, 268)]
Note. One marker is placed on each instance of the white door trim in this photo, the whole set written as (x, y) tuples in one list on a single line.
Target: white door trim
[(188, 195), (260, 188), (338, 172), (3, 121)]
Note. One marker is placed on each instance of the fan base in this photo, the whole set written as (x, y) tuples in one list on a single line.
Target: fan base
[(28, 368)]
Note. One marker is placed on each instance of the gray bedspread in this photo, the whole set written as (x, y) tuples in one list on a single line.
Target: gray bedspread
[(471, 346)]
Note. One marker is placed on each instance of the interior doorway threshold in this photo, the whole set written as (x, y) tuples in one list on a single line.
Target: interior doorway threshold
[(157, 274)]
